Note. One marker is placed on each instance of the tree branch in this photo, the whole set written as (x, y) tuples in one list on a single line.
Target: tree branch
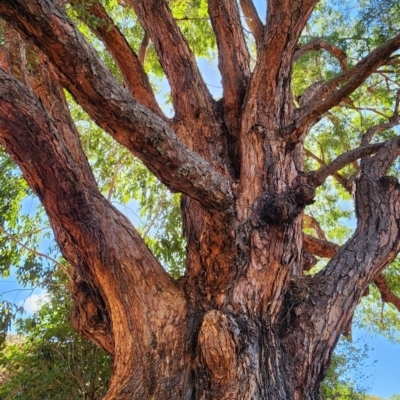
[(135, 77), (93, 236), (143, 48), (393, 121), (253, 21), (311, 222), (318, 44), (340, 178), (15, 52), (189, 92), (233, 57), (386, 294), (333, 293), (319, 247), (145, 134), (316, 178), (329, 96), (270, 80)]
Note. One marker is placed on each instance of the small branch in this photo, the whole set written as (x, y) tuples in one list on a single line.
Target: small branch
[(156, 214), (329, 96), (37, 253), (393, 121), (319, 247), (252, 19), (339, 177), (143, 48), (113, 180), (372, 109), (314, 224), (316, 178), (386, 294), (319, 44)]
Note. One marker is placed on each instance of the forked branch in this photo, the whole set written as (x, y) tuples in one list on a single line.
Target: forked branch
[(135, 77), (145, 134), (339, 177), (81, 218), (333, 92)]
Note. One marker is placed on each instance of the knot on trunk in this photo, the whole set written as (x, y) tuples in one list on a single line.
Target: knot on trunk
[(281, 209), (218, 347), (389, 183), (90, 317)]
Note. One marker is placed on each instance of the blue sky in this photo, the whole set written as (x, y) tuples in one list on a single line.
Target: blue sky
[(381, 369)]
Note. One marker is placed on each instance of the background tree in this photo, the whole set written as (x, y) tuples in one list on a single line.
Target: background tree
[(247, 319)]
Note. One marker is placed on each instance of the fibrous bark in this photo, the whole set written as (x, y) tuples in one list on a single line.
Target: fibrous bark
[(244, 322)]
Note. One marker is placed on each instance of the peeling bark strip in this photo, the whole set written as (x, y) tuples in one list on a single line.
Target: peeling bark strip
[(244, 322)]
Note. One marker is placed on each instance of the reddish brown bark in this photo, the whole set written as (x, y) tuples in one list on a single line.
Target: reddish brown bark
[(243, 322)]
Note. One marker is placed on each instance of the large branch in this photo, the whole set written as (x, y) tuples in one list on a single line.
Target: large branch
[(329, 95), (135, 77), (117, 272), (112, 107), (330, 297), (15, 53), (189, 92), (324, 248), (269, 87), (233, 58)]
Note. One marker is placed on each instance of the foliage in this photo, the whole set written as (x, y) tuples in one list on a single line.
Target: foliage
[(52, 361), (344, 126), (344, 379)]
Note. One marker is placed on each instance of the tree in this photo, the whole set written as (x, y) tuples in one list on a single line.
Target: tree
[(246, 320)]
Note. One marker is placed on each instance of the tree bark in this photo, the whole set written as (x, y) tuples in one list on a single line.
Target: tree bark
[(244, 322)]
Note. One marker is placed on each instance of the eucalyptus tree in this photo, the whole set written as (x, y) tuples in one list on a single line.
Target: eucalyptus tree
[(247, 319)]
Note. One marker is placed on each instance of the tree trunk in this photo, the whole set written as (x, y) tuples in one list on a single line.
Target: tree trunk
[(243, 322)]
